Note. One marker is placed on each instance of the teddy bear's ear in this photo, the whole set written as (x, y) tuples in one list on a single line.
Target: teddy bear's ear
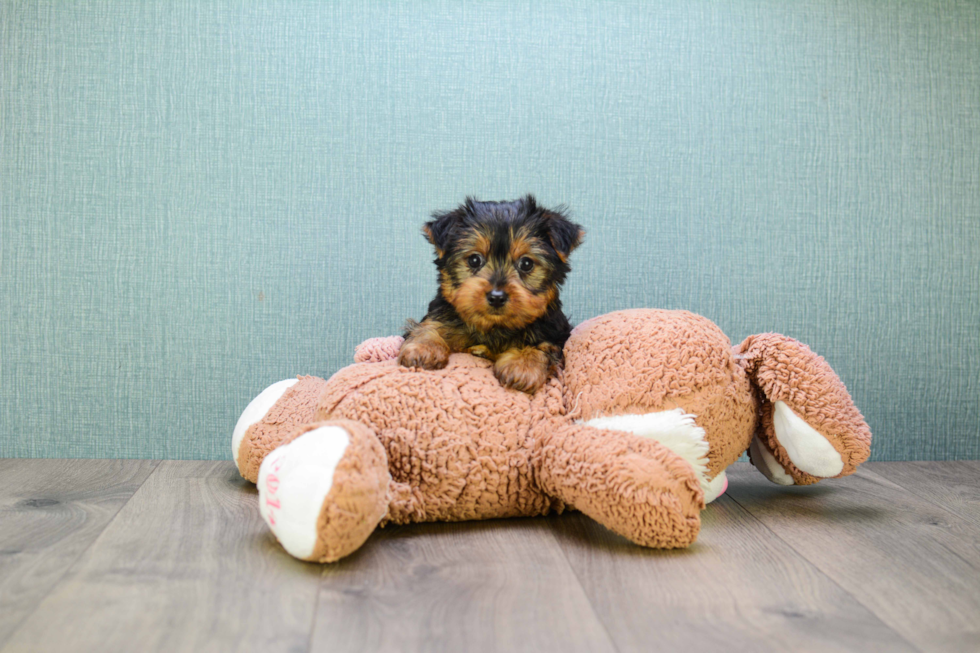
[(564, 234), (439, 231)]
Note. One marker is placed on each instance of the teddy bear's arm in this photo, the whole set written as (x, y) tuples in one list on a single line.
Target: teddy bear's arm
[(634, 486), (377, 350)]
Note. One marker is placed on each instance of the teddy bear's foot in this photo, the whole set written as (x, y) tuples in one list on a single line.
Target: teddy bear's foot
[(272, 418), (256, 410), (325, 492), (810, 428)]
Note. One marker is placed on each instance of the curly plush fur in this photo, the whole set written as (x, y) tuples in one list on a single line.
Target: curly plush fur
[(636, 431)]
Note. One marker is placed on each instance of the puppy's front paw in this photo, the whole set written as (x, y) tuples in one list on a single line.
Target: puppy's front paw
[(522, 369), (424, 354)]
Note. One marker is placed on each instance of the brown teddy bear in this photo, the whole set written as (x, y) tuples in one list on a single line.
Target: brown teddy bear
[(635, 431)]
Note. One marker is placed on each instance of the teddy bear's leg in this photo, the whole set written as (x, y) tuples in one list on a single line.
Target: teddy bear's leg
[(272, 417), (810, 428), (677, 431), (632, 485), (324, 491)]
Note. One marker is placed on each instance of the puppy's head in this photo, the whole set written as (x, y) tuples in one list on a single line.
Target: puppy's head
[(501, 263)]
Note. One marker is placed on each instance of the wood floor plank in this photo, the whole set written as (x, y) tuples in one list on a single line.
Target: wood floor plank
[(501, 585), (186, 565), (112, 555), (738, 588), (913, 564), (953, 485), (51, 511)]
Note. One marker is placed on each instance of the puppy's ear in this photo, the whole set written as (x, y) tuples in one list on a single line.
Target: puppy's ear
[(439, 231), (564, 234)]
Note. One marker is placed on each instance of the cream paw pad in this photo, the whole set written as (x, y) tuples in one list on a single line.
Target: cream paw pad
[(256, 410)]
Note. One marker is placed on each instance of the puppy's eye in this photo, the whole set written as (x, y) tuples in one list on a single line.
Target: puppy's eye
[(475, 261), (525, 264)]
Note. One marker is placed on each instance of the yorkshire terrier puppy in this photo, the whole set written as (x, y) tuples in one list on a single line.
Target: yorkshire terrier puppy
[(500, 267)]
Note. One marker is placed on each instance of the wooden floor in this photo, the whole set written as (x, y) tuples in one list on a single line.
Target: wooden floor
[(141, 556)]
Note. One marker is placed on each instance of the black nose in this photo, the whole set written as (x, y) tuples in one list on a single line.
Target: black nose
[(496, 298)]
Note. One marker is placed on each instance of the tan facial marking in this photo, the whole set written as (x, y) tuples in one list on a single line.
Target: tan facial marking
[(470, 301), (476, 242), (519, 248), (447, 287)]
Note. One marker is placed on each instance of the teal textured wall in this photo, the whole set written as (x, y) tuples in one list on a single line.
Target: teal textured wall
[(199, 199)]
